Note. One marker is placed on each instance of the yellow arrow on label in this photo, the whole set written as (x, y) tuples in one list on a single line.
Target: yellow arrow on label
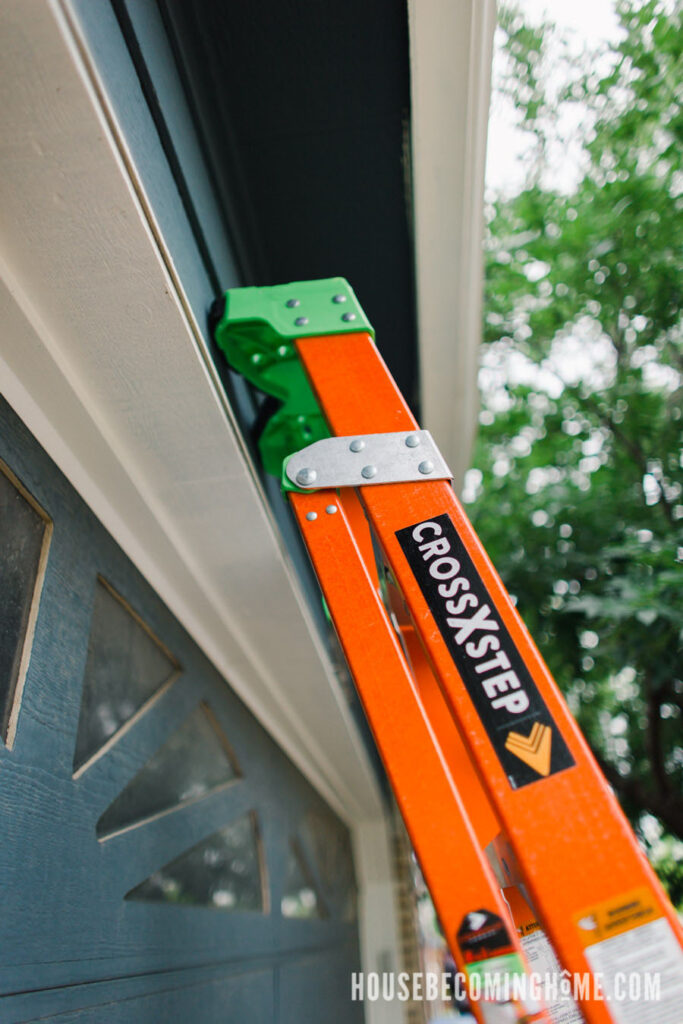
[(533, 749)]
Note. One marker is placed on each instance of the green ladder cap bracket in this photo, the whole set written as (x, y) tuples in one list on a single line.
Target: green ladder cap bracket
[(285, 483), (256, 331)]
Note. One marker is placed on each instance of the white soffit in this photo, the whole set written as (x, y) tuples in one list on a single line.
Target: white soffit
[(103, 361), (450, 57)]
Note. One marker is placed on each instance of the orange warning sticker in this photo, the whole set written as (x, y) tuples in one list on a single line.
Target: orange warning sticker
[(617, 915), (627, 939)]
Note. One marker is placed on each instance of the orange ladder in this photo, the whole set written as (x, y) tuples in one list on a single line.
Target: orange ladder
[(487, 763)]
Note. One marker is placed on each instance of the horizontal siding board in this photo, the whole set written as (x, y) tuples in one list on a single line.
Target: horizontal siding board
[(202, 996)]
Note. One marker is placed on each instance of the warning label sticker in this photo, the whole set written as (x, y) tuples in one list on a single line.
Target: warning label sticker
[(634, 952), (524, 735), (617, 915), (540, 957)]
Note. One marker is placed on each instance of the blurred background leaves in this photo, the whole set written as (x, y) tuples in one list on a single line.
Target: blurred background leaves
[(577, 483)]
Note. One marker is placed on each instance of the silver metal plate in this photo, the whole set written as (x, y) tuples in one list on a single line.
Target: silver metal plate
[(365, 459)]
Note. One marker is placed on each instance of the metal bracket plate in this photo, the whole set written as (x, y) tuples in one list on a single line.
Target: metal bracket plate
[(366, 459)]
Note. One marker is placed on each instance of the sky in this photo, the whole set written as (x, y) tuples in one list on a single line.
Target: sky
[(590, 21)]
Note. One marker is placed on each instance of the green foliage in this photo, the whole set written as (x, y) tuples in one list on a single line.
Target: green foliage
[(666, 859), (578, 468)]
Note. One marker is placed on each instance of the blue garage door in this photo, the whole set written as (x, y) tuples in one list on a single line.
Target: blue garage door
[(161, 858)]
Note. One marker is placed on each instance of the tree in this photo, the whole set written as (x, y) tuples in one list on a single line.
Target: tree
[(577, 480)]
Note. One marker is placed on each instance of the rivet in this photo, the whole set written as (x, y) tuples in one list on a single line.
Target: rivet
[(256, 358), (293, 303), (368, 472), (311, 516), (306, 477), (339, 298), (426, 467), (412, 441), (331, 509), (301, 320), (348, 316), (283, 350), (357, 445)]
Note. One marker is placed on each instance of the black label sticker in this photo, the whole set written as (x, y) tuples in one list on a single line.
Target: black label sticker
[(525, 737), (482, 936)]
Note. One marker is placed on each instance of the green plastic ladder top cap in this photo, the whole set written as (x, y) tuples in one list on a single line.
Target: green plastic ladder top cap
[(256, 330), (301, 309)]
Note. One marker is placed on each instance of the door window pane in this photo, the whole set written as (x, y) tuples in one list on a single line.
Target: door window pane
[(195, 760), (331, 846), (224, 871), (126, 666), (301, 898), (24, 532)]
